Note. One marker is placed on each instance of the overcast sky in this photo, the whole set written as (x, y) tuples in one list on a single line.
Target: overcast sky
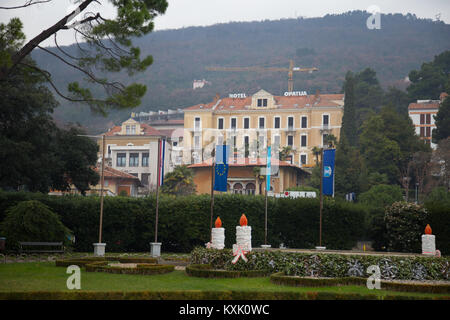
[(185, 13)]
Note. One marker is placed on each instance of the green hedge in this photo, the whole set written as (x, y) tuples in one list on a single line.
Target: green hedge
[(128, 223), (202, 295), (282, 279), (328, 264), (207, 271), (83, 261), (148, 269)]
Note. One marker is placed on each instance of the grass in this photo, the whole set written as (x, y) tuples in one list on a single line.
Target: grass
[(45, 276)]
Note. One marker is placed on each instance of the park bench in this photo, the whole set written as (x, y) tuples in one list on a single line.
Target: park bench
[(53, 247)]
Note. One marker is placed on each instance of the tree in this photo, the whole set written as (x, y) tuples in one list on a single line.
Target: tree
[(441, 163), (349, 126), (381, 195), (285, 153), (432, 78), (107, 48), (179, 182), (380, 153), (35, 154), (442, 121)]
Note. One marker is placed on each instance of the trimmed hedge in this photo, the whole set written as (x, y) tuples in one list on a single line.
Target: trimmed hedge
[(207, 271), (328, 264), (128, 223), (147, 269), (83, 261), (203, 295), (282, 279)]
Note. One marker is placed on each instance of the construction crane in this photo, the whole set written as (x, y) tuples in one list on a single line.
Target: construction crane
[(289, 70)]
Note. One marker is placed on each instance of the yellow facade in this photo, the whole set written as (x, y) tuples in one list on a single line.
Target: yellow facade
[(206, 125)]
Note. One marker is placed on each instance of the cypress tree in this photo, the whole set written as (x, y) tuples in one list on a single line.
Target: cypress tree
[(349, 126)]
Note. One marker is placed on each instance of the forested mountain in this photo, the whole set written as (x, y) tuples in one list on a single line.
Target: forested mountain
[(333, 43)]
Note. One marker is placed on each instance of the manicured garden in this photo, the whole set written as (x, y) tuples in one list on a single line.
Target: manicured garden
[(43, 280)]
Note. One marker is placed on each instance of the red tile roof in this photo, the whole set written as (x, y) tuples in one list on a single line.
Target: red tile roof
[(423, 106), (114, 173), (148, 131), (282, 102)]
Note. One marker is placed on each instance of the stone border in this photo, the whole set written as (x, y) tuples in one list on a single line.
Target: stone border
[(281, 279)]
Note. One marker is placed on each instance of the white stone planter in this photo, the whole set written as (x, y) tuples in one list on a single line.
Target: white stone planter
[(99, 249), (155, 249)]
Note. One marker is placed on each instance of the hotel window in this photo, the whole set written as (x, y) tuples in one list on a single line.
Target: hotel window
[(262, 102), (220, 124), (261, 123), (197, 142), (276, 140), (133, 129), (134, 159), (145, 159), (304, 140), (246, 146), (304, 122), (428, 131), (290, 123), (422, 118), (303, 159), (324, 139), (233, 123), (197, 123), (325, 120), (128, 129), (422, 131), (290, 140), (246, 123), (260, 142), (276, 124), (428, 119), (121, 159), (145, 177)]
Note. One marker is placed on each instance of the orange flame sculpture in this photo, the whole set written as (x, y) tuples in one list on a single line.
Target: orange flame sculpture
[(243, 221), (218, 223), (428, 229)]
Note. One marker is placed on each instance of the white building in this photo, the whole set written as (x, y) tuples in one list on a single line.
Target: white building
[(422, 115)]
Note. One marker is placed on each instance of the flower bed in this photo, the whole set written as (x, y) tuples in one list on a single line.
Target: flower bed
[(330, 265)]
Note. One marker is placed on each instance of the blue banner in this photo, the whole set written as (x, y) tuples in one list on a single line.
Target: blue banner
[(328, 172), (269, 166), (221, 168)]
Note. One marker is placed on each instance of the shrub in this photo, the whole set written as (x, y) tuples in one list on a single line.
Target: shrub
[(32, 221), (381, 195), (328, 264), (405, 223), (207, 271), (439, 220)]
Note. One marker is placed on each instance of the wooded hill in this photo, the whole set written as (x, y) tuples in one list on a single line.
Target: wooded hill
[(333, 43)]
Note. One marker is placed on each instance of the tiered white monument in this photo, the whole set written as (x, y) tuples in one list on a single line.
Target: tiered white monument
[(218, 235), (243, 236), (428, 242)]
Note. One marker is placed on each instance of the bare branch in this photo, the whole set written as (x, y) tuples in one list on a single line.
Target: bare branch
[(26, 4)]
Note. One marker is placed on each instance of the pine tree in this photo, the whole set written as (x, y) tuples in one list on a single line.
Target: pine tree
[(349, 125)]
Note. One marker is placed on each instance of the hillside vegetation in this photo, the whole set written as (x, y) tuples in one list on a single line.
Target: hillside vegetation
[(333, 43)]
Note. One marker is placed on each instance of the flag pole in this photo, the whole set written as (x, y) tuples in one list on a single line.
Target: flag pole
[(268, 175), (157, 190), (321, 200), (212, 191)]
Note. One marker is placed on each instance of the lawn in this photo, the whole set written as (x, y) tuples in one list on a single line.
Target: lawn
[(45, 277)]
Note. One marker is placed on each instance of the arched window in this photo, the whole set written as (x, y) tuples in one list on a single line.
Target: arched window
[(250, 188), (237, 188)]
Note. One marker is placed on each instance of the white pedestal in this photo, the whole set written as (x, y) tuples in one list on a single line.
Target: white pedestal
[(155, 249), (320, 248), (99, 249), (218, 238), (428, 244), (266, 246)]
